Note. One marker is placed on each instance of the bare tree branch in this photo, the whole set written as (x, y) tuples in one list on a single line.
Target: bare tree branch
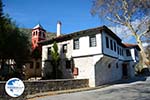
[(115, 21), (118, 17), (125, 7), (143, 33), (125, 12)]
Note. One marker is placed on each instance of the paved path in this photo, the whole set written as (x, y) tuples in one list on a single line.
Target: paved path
[(129, 91)]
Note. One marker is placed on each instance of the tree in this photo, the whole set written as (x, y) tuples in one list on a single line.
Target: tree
[(14, 44), (126, 13), (1, 8), (147, 50), (55, 60)]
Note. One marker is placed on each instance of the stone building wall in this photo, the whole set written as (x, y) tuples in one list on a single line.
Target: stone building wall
[(85, 69), (107, 70)]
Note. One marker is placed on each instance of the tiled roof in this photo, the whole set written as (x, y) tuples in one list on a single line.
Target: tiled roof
[(82, 33), (131, 45)]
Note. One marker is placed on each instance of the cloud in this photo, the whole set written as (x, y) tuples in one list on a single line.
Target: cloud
[(139, 25), (145, 44), (123, 33)]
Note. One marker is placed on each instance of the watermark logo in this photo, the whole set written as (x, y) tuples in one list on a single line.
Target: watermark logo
[(14, 87)]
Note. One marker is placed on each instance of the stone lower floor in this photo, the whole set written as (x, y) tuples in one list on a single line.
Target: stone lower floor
[(99, 69), (102, 69)]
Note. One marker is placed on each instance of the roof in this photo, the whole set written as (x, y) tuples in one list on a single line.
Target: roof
[(80, 34), (131, 45), (38, 26)]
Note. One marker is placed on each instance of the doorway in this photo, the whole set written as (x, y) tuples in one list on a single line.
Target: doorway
[(124, 71)]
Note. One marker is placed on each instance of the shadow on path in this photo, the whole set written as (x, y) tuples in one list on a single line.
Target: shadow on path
[(131, 80)]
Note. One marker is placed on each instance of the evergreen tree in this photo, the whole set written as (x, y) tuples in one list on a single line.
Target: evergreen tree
[(55, 61), (14, 44)]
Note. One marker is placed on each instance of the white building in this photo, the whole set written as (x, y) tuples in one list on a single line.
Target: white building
[(96, 54)]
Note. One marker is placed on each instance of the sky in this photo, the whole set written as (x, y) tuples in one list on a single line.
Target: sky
[(73, 14)]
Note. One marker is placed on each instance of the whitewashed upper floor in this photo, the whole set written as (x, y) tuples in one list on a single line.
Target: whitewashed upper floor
[(96, 41)]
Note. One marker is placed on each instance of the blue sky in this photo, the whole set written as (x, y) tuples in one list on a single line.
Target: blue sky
[(74, 14)]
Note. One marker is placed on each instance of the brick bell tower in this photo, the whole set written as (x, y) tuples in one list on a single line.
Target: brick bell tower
[(38, 34)]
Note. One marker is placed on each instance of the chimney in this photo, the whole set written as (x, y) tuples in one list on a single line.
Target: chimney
[(58, 28)]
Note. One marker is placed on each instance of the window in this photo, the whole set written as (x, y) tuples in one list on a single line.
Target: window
[(115, 46), (65, 48), (107, 42), (109, 66), (48, 51), (33, 33), (128, 53), (43, 35), (37, 65), (111, 44), (117, 65), (122, 52), (118, 50), (136, 53), (36, 33), (68, 64), (76, 44), (92, 40), (40, 34)]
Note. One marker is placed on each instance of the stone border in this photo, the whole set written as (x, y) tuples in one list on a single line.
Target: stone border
[(41, 86)]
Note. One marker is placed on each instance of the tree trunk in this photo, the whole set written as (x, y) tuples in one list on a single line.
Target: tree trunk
[(144, 60)]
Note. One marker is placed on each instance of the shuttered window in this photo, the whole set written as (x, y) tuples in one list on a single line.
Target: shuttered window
[(92, 40), (107, 42), (76, 44)]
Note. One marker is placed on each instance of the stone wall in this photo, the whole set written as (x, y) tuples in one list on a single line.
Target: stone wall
[(33, 87), (85, 69), (107, 70)]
